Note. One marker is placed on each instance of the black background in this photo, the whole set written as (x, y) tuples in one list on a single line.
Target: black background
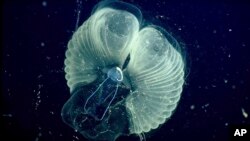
[(215, 36)]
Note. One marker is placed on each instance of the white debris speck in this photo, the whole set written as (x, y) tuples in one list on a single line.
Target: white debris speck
[(38, 98), (52, 113), (44, 3), (42, 44), (198, 46), (226, 124), (179, 28), (244, 113), (39, 134), (76, 137), (39, 76), (230, 30), (7, 115), (206, 105), (229, 55), (225, 81), (214, 31), (192, 107), (48, 58), (159, 16)]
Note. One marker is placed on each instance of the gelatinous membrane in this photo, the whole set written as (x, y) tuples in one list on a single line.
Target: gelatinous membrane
[(123, 80), (97, 104)]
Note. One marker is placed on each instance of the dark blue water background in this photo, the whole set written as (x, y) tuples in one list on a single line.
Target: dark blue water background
[(215, 36)]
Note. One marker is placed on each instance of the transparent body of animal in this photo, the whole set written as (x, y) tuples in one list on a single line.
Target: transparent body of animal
[(123, 79), (102, 97)]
